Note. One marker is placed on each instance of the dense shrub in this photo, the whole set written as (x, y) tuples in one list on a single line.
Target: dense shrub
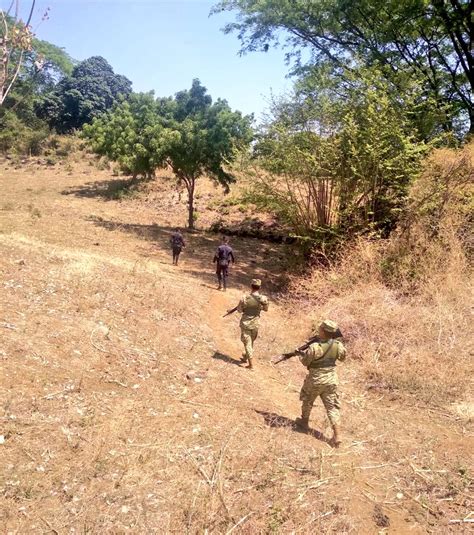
[(18, 138)]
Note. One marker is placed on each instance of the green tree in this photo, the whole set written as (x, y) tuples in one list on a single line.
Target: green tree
[(90, 90), (131, 134), (202, 139), (42, 65), (335, 161), (430, 40), (188, 133)]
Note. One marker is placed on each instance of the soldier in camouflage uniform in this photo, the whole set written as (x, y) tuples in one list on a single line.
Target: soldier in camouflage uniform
[(250, 306), (320, 358)]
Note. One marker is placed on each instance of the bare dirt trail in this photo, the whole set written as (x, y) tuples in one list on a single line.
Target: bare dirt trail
[(102, 343)]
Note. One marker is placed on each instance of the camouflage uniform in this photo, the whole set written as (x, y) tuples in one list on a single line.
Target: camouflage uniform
[(321, 381), (250, 306)]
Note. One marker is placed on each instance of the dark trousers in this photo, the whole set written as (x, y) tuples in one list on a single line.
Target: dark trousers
[(176, 253), (222, 273)]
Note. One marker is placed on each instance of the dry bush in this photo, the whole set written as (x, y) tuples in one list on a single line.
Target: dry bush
[(404, 303)]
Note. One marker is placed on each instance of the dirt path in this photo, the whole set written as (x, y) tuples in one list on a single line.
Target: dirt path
[(117, 368)]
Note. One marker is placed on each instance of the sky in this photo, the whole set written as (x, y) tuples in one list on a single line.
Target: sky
[(164, 44)]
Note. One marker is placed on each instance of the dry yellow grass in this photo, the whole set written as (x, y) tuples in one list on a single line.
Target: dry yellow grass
[(406, 302), (107, 430)]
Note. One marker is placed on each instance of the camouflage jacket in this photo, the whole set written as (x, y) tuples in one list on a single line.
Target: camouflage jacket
[(250, 306), (320, 359)]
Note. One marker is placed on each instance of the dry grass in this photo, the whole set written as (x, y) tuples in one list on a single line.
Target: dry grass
[(405, 303), (123, 409)]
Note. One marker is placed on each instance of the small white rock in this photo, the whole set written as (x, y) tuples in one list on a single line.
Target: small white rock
[(399, 495), (2, 439)]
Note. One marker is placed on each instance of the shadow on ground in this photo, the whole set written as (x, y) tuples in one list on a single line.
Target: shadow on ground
[(106, 189), (276, 420), (254, 259), (225, 358)]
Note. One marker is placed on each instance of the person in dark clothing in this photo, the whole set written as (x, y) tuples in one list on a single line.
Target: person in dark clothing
[(223, 257), (177, 245)]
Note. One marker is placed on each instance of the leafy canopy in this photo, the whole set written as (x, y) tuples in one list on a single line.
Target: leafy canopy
[(90, 90), (336, 161), (189, 133), (38, 65), (430, 40)]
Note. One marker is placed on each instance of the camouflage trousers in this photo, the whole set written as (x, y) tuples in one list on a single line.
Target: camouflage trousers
[(248, 337), (327, 393)]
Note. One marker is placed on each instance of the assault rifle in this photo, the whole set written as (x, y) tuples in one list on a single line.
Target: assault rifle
[(230, 311), (312, 340)]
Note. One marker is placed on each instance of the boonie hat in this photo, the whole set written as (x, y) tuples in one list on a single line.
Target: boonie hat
[(328, 326), (256, 282)]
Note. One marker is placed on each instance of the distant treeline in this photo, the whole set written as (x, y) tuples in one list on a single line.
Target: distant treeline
[(383, 85)]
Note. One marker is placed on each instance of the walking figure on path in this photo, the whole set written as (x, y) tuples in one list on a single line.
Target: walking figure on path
[(177, 245), (250, 306), (320, 358), (224, 255)]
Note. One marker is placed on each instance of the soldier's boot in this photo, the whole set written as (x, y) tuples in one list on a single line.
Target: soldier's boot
[(336, 437), (250, 364), (302, 423)]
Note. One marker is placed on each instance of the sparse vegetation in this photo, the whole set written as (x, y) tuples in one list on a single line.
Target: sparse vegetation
[(407, 299), (124, 405), (106, 428)]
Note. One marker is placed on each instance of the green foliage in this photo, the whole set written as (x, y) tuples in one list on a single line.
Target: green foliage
[(129, 135), (335, 162), (203, 138), (188, 133), (20, 139), (426, 40), (90, 90), (42, 65), (54, 61)]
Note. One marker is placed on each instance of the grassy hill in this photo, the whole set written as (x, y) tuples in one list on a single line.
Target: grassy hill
[(124, 409)]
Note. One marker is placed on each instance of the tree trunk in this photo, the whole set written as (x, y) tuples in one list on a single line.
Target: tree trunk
[(190, 187), (470, 134)]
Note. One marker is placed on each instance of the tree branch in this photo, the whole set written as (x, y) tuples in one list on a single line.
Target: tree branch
[(31, 13), (4, 94)]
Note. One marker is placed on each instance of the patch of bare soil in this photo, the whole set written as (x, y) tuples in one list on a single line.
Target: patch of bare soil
[(124, 408)]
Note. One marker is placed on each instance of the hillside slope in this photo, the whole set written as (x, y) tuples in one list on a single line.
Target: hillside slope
[(125, 410)]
